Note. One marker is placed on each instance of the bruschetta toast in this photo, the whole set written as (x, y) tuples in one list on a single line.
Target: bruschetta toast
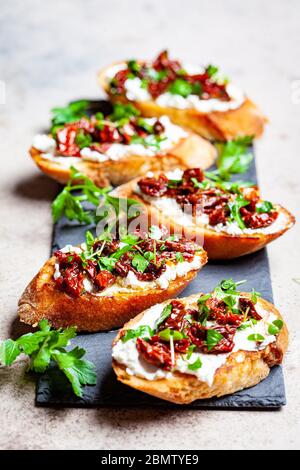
[(194, 97), (202, 346), (102, 283), (228, 219), (118, 147)]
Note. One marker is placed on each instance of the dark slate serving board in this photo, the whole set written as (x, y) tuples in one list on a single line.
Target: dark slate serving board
[(53, 388)]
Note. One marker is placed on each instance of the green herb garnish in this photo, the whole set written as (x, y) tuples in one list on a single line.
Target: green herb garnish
[(256, 337), (264, 207), (275, 327), (254, 296), (166, 335), (139, 262), (181, 87), (195, 365), (235, 207), (70, 113), (49, 345), (143, 331), (164, 315), (234, 157), (69, 205), (213, 338)]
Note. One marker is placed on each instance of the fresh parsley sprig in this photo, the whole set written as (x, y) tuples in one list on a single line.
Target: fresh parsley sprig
[(235, 207), (70, 205), (81, 189), (234, 157), (48, 345), (70, 113)]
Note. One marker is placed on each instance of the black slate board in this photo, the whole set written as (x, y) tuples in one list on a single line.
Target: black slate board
[(53, 388)]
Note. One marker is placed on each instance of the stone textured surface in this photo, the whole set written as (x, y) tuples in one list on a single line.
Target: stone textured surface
[(50, 54)]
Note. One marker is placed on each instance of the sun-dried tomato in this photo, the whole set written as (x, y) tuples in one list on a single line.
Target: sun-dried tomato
[(66, 137), (256, 220), (104, 279), (155, 353), (162, 62), (152, 272), (90, 269), (217, 216), (110, 134), (175, 321), (180, 246), (154, 187), (119, 80), (188, 174), (182, 345), (247, 306), (198, 335), (219, 312), (71, 281), (157, 88), (158, 127), (226, 344)]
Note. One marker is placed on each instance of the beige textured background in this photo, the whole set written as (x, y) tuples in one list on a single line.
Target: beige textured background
[(50, 53)]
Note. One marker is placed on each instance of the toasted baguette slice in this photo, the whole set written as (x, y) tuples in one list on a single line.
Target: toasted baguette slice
[(89, 312), (218, 245), (222, 126), (242, 369), (190, 151)]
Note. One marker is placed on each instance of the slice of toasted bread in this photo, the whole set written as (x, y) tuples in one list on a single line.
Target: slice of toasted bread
[(218, 245), (190, 151), (244, 121), (90, 312), (242, 369)]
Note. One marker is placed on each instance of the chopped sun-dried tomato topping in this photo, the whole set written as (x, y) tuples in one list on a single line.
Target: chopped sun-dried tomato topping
[(196, 198), (99, 132), (166, 75), (208, 329), (102, 263)]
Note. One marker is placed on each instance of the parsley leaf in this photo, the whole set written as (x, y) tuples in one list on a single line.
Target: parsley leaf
[(264, 207), (181, 87), (69, 205), (9, 351), (70, 113), (166, 334), (275, 327), (195, 365), (256, 337), (143, 331), (164, 315), (79, 372), (254, 296), (213, 337), (133, 66), (123, 111), (48, 345), (83, 139), (139, 262), (234, 157), (235, 207)]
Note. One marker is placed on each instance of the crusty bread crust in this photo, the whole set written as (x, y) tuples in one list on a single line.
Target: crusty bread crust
[(243, 121), (243, 369), (218, 245), (42, 299), (189, 152)]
